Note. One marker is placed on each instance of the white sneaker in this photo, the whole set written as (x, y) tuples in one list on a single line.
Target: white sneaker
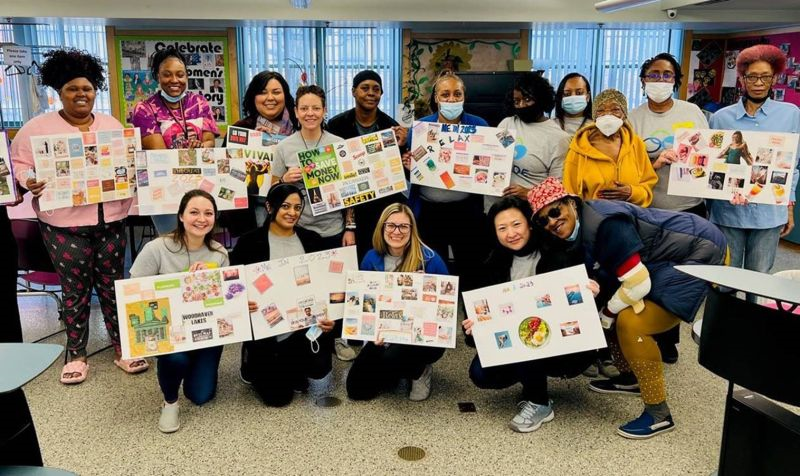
[(343, 350), (530, 417), (421, 387), (169, 421)]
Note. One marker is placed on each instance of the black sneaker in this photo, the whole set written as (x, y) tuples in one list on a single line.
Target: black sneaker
[(625, 384), (669, 352)]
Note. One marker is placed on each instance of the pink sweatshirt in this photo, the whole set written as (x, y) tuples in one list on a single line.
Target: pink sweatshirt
[(22, 158)]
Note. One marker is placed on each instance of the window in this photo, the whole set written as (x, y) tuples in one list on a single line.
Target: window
[(330, 57)]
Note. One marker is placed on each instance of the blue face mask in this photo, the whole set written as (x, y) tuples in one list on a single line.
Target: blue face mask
[(172, 99), (451, 110), (574, 235), (574, 104)]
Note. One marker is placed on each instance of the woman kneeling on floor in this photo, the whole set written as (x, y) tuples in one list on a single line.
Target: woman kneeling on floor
[(515, 256), (634, 250)]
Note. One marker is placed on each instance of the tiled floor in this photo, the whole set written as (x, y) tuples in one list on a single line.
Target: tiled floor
[(107, 425)]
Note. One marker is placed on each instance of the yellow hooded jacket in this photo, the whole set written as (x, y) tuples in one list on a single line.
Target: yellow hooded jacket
[(587, 170)]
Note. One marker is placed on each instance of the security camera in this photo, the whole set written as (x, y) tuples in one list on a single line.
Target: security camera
[(672, 13)]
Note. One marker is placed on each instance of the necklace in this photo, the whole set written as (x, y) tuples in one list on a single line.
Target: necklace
[(315, 145), (84, 125)]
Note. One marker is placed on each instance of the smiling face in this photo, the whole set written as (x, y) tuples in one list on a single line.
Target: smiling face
[(271, 102), (558, 218), (397, 232), (367, 94), (172, 76), (288, 213), (198, 217), (310, 111), (512, 229), (77, 97)]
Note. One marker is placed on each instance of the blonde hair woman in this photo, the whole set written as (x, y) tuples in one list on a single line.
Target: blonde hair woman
[(396, 247)]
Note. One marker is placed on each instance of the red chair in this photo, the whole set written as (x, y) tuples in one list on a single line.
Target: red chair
[(35, 271)]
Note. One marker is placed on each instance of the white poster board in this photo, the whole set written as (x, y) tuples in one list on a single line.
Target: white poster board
[(464, 158), (357, 170), (8, 183), (401, 308), (715, 164), (164, 176), (85, 168), (542, 316), (293, 293), (177, 312)]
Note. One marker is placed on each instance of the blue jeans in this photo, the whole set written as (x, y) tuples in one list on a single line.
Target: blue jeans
[(751, 248), (197, 369)]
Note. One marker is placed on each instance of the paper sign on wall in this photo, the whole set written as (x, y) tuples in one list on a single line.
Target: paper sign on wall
[(293, 293), (464, 158), (542, 316), (354, 171), (719, 163), (182, 311), (403, 308), (85, 168), (8, 184)]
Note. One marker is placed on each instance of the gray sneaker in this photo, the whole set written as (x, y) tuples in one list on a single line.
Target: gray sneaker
[(421, 387), (169, 422), (530, 417), (343, 350)]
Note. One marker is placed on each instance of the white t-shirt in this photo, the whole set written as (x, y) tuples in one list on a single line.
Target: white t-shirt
[(524, 266), (572, 124), (657, 130)]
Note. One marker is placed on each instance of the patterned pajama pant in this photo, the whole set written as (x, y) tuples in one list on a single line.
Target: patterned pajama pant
[(87, 257)]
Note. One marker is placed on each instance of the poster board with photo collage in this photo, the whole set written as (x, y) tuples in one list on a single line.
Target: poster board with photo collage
[(460, 157), (85, 168), (163, 176), (401, 308), (353, 171), (208, 70), (534, 318), (293, 293), (8, 184), (177, 312), (718, 163)]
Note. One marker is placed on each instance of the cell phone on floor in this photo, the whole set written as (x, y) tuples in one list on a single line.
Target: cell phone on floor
[(467, 407)]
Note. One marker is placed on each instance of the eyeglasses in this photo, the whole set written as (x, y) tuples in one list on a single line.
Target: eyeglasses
[(754, 78), (666, 76), (522, 102), (403, 228), (554, 213), (305, 109)]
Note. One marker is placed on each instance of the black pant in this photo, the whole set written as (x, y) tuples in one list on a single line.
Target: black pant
[(462, 226), (377, 367), (276, 369), (531, 374), (367, 216), (10, 326)]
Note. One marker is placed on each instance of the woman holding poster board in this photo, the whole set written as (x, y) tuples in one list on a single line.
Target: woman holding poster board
[(635, 250), (173, 118), (188, 247), (515, 256), (86, 243), (396, 247), (278, 366)]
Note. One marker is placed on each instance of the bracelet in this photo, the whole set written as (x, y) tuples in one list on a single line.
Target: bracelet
[(350, 227)]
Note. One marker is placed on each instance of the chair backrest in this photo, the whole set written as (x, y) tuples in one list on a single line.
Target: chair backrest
[(751, 345), (33, 255), (794, 275)]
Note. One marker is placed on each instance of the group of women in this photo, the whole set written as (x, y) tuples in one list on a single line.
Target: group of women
[(599, 217)]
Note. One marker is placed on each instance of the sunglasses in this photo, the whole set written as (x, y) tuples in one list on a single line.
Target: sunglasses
[(554, 213)]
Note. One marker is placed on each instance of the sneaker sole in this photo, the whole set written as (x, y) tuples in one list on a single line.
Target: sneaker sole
[(620, 392), (546, 419), (169, 430), (632, 436)]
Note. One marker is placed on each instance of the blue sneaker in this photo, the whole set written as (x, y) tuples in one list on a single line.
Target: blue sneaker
[(645, 427)]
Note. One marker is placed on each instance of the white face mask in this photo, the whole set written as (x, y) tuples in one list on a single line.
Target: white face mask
[(608, 124), (658, 92)]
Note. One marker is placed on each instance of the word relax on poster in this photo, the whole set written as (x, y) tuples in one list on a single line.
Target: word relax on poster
[(541, 316), (460, 157), (85, 168), (164, 176), (8, 184), (721, 163), (177, 312), (354, 171), (294, 293), (402, 308)]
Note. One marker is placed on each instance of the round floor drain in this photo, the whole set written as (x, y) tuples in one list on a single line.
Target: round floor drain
[(328, 402), (411, 453)]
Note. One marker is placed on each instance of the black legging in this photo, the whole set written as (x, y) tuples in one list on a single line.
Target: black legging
[(378, 367)]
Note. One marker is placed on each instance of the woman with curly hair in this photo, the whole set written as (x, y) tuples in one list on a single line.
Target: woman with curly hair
[(86, 243)]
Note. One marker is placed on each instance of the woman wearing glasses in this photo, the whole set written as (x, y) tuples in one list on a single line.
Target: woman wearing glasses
[(631, 251), (396, 247), (606, 159)]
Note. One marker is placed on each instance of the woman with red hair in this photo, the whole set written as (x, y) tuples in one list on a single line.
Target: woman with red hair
[(753, 230)]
